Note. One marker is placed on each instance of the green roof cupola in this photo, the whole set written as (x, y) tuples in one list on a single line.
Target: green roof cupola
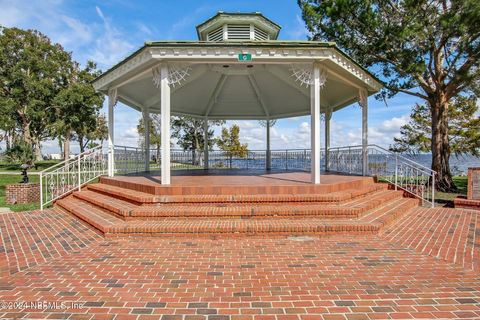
[(238, 27)]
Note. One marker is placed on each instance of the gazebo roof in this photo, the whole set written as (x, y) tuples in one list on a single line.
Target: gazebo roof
[(208, 78)]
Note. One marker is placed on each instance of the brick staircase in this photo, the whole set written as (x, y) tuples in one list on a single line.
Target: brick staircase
[(129, 208)]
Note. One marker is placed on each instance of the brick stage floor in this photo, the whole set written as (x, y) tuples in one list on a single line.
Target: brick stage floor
[(426, 265)]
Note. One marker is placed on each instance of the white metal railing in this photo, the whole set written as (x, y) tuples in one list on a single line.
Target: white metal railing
[(71, 174), (132, 159), (400, 171), (396, 169)]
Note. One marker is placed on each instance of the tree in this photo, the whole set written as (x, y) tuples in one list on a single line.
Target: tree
[(86, 135), (463, 130), (189, 132), (32, 72), (229, 143), (77, 105), (427, 49), (155, 134)]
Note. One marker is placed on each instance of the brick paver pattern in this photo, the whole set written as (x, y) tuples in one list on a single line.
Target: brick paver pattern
[(423, 266)]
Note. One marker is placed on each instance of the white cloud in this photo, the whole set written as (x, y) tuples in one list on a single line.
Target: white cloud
[(110, 45), (144, 29), (95, 39), (187, 21), (381, 134)]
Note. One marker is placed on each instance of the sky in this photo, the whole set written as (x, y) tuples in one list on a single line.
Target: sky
[(107, 31)]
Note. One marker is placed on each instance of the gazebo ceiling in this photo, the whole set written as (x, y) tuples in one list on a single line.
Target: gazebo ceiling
[(237, 91), (217, 85)]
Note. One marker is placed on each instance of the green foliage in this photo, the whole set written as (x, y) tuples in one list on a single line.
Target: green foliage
[(32, 72), (77, 105), (229, 143), (189, 132), (20, 153), (428, 49), (44, 94), (411, 44), (155, 133), (464, 129), (87, 136), (155, 130)]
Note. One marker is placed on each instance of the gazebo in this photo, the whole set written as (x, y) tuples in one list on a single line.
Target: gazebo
[(238, 69)]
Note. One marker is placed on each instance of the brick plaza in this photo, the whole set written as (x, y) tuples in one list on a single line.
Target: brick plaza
[(425, 265)]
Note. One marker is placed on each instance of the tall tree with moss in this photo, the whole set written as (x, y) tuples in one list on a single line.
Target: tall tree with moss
[(32, 72), (77, 105), (229, 143), (155, 134), (189, 133), (463, 129), (89, 137), (427, 49)]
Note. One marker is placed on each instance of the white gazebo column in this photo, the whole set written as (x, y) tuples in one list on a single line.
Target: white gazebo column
[(165, 124), (146, 125), (315, 123), (112, 100), (268, 158), (364, 104), (205, 143), (328, 116)]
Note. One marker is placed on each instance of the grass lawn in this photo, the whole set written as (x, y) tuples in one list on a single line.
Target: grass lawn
[(39, 166), (14, 178), (444, 198)]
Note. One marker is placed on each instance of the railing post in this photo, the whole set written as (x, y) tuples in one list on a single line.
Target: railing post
[(286, 160), (41, 190), (125, 163), (304, 159), (79, 174), (433, 190), (396, 171), (349, 160)]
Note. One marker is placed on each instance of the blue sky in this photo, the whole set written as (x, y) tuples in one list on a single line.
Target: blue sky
[(107, 31)]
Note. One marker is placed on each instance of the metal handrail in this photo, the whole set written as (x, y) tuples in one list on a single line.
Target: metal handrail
[(387, 151), (418, 180), (71, 174), (69, 160)]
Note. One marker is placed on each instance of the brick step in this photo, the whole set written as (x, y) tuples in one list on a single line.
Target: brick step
[(117, 206), (122, 193), (141, 197), (372, 222), (353, 209), (127, 210), (390, 211), (89, 213), (245, 227)]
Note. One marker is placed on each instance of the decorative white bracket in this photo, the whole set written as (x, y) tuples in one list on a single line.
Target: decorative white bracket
[(177, 73), (362, 97), (304, 74), (112, 97)]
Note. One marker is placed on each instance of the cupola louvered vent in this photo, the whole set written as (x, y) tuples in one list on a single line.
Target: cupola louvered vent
[(260, 34), (238, 27), (238, 32), (216, 35)]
